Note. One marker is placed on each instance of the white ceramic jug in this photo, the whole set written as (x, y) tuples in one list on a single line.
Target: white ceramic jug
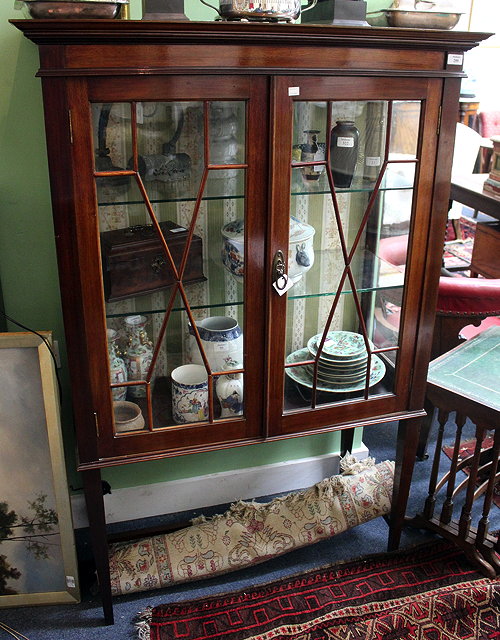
[(222, 341)]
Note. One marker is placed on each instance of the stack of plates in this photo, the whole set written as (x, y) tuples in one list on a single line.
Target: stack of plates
[(342, 364)]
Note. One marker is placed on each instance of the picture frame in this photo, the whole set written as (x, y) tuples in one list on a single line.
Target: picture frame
[(38, 563)]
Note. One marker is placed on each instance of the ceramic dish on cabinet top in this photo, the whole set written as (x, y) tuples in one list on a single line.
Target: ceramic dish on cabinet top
[(83, 9), (421, 19)]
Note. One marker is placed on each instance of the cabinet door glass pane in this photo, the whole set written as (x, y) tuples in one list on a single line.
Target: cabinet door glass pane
[(353, 173), (170, 181)]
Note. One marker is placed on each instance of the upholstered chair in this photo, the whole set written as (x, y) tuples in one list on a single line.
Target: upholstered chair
[(489, 125)]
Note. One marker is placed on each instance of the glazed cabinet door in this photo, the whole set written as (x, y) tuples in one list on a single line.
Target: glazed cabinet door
[(178, 168), (348, 246)]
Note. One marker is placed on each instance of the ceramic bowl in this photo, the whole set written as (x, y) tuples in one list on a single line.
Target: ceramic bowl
[(300, 249), (128, 416)]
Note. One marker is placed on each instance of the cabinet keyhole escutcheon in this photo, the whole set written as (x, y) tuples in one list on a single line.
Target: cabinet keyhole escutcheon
[(157, 264), (279, 270)]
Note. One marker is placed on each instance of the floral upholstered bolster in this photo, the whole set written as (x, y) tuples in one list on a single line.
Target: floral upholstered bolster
[(251, 532)]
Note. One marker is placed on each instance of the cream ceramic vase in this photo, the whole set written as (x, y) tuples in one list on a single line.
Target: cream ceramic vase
[(139, 353)]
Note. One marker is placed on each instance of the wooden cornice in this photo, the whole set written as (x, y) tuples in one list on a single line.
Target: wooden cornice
[(78, 31)]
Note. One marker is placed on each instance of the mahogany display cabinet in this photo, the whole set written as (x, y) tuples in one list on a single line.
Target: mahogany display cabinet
[(220, 191)]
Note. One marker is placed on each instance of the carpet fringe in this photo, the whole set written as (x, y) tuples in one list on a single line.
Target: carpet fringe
[(143, 622), (327, 488), (350, 465)]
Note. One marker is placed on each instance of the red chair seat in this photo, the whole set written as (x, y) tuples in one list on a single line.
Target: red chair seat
[(457, 296), (468, 296)]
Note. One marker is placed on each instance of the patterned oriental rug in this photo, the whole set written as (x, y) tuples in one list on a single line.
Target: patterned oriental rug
[(457, 255), (430, 592), (458, 251)]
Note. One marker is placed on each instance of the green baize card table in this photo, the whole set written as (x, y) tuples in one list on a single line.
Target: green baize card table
[(466, 380)]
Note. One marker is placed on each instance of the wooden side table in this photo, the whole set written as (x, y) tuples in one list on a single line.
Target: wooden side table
[(485, 259), (468, 189), (466, 380), (467, 112)]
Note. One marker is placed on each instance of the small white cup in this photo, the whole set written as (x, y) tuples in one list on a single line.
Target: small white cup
[(189, 394)]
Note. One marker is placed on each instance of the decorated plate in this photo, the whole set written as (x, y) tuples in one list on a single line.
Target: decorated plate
[(344, 345), (339, 381), (304, 377), (342, 368), (338, 377)]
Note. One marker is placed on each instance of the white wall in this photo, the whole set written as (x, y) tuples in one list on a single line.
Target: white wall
[(483, 63)]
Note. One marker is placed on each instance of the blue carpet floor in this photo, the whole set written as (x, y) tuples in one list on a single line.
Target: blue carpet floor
[(84, 621)]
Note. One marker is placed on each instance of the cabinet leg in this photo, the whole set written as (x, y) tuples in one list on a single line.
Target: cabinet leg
[(425, 430), (406, 449), (97, 523), (346, 441)]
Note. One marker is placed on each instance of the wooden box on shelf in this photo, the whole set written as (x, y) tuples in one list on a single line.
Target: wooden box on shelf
[(135, 263)]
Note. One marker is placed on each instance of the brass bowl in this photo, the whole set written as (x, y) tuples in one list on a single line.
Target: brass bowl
[(421, 19), (87, 9)]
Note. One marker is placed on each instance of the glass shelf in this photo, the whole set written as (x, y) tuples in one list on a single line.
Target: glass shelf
[(377, 275), (390, 182), (152, 312), (217, 192)]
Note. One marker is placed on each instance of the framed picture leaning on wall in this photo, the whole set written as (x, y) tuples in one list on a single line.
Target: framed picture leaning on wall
[(37, 551)]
